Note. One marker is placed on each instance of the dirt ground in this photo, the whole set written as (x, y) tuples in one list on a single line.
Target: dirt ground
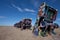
[(12, 33)]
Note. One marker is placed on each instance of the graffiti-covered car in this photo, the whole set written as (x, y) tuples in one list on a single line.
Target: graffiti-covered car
[(25, 23), (18, 25)]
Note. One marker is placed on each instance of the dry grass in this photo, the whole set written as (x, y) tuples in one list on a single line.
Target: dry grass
[(12, 33)]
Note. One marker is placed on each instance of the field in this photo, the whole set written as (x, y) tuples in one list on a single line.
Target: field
[(12, 33)]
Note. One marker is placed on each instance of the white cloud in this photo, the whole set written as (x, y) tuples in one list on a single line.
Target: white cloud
[(29, 10), (2, 17), (24, 9), (18, 8), (21, 10)]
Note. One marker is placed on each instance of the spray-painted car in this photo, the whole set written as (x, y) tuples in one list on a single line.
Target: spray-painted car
[(46, 17), (25, 23), (18, 25), (47, 13)]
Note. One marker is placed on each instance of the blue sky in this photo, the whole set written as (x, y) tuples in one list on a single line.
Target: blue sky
[(12, 11)]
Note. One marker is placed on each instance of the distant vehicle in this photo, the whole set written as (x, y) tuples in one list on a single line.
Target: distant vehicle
[(25, 23), (18, 25)]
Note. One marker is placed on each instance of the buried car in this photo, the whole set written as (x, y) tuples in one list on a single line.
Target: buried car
[(25, 23)]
